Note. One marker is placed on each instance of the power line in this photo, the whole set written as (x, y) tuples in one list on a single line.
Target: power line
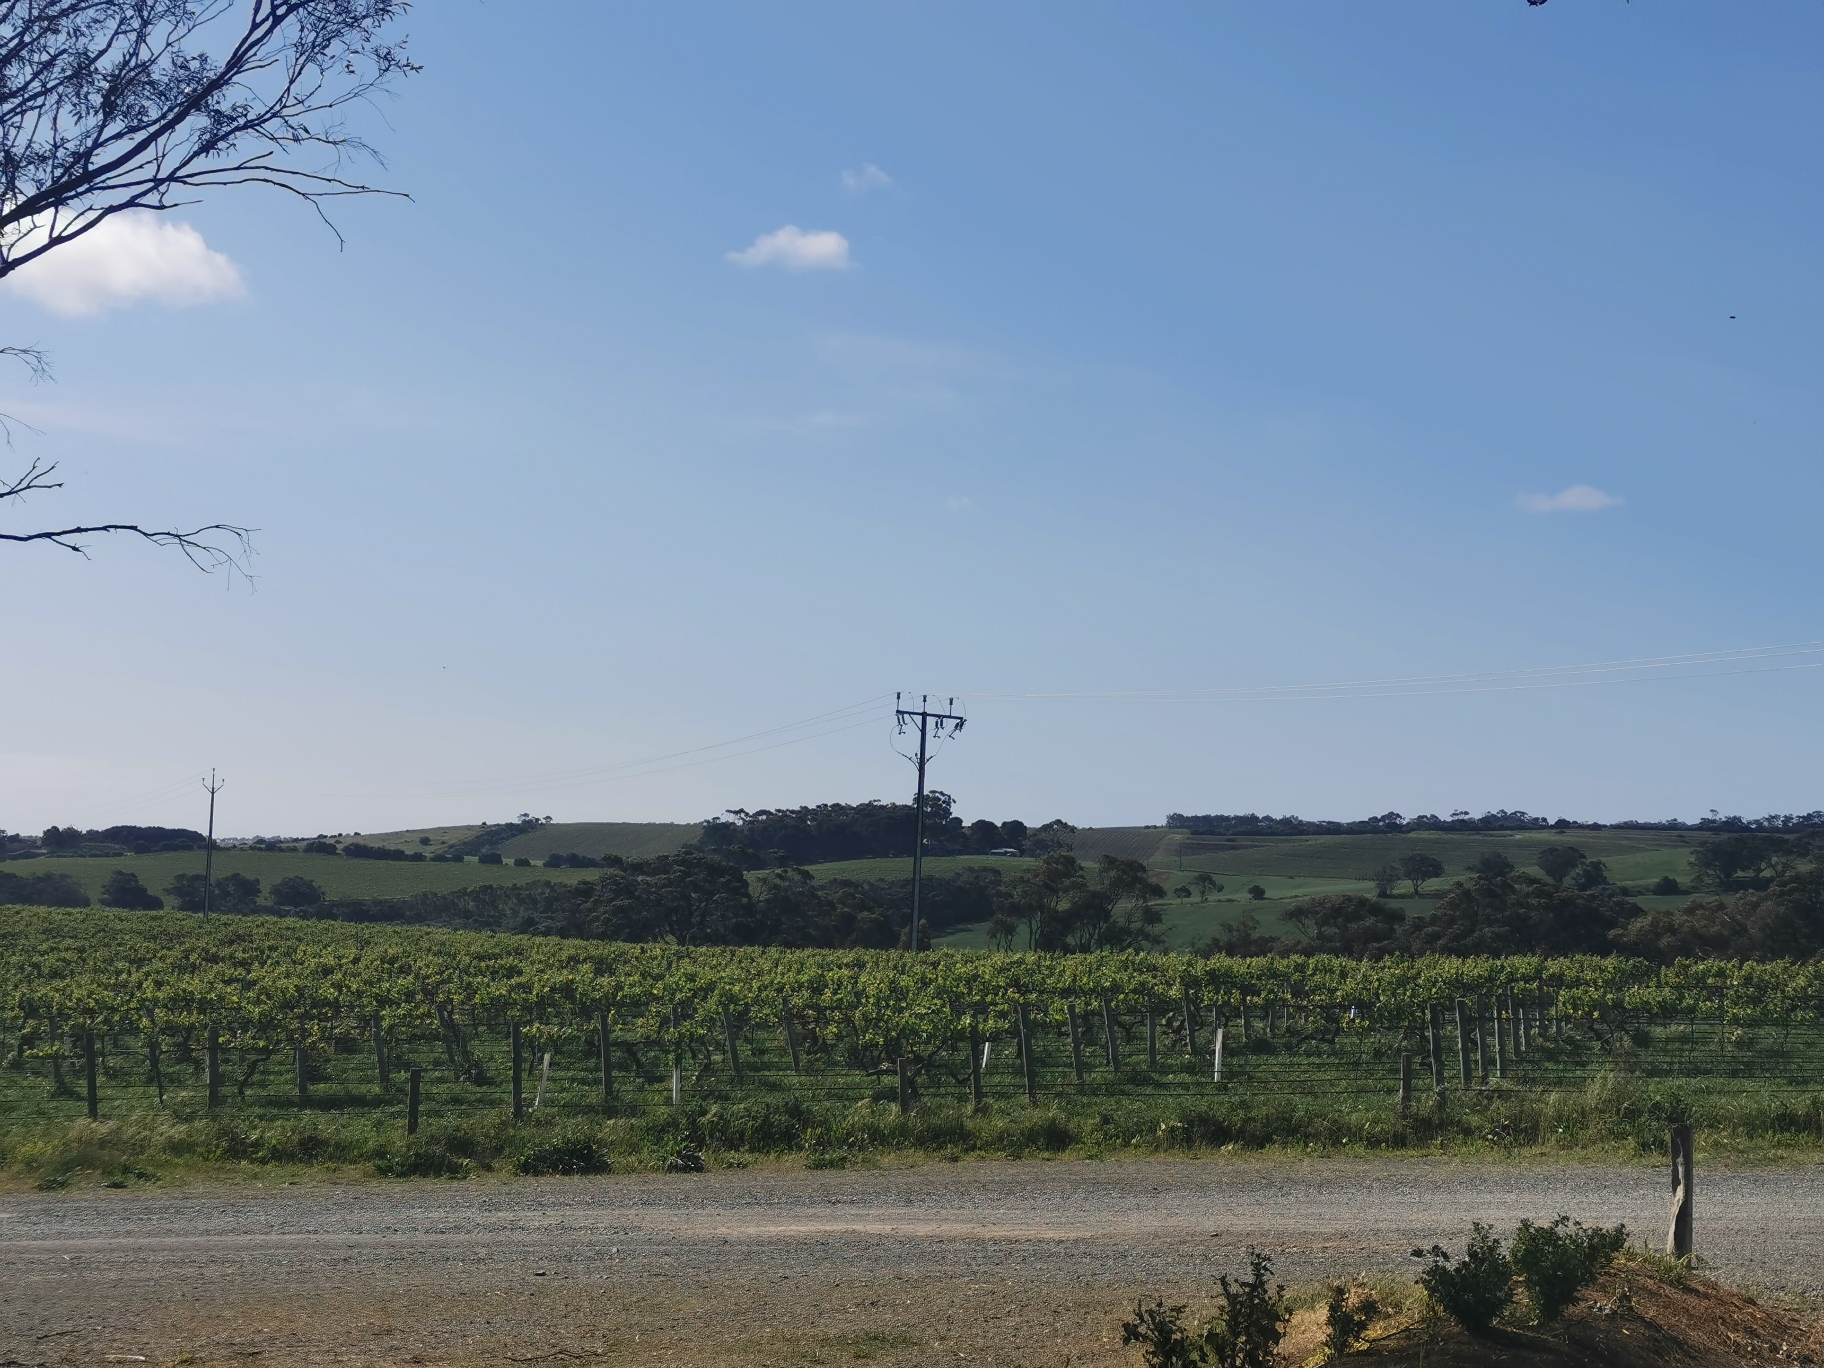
[(931, 726)]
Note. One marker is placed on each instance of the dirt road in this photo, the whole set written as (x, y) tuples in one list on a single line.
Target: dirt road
[(976, 1263)]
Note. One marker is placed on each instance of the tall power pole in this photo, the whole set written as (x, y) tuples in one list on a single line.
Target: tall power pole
[(932, 726), (209, 844)]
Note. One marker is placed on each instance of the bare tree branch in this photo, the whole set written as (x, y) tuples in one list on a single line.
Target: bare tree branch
[(219, 546)]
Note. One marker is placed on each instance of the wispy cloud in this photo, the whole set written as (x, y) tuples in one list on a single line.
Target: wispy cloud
[(870, 177), (796, 250), (130, 257), (1578, 498)]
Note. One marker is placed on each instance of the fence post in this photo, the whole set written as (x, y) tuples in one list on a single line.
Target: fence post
[(1434, 1023), (677, 1061), (1032, 1089), (1247, 1030), (519, 1074), (1524, 1040), (1152, 1036), (605, 1039), (1076, 1041), (1500, 1038), (1405, 1083), (1678, 1239), (414, 1082), (1190, 1026), (1463, 1044), (1481, 1041), (300, 1065), (1216, 1075), (905, 1101), (88, 1074), (975, 1066), (213, 1067), (381, 1066), (1108, 1032), (152, 1055), (791, 1036), (728, 1034)]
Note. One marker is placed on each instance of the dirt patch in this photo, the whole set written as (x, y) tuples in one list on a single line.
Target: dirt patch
[(1627, 1321)]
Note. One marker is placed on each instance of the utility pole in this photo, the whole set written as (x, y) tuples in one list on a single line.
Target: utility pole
[(209, 845), (932, 726)]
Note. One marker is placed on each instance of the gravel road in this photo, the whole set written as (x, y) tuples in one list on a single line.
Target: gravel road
[(1010, 1263)]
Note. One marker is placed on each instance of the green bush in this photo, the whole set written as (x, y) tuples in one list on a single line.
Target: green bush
[(1159, 1331), (420, 1158), (1557, 1261), (1347, 1316), (1247, 1331), (566, 1154), (1474, 1290)]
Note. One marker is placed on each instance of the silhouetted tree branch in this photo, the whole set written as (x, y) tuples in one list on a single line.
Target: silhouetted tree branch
[(115, 105)]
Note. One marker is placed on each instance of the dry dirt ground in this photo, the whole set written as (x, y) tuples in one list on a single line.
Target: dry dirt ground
[(973, 1263)]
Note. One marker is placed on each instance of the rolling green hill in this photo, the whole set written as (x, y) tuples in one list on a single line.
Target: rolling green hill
[(630, 840)]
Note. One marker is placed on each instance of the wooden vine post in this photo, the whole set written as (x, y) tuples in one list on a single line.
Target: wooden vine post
[(1463, 1044), (905, 1092), (414, 1083), (1216, 1072), (382, 1070), (1405, 1083), (1190, 1025), (1108, 1033), (791, 1036), (1026, 1062), (213, 1066), (734, 1049), (1678, 1237), (1076, 1041), (1434, 1040), (300, 1065), (677, 1061), (1152, 1037), (519, 1074), (605, 1040), (88, 1074), (975, 1066)]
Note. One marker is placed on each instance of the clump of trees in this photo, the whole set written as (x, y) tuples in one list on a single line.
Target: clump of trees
[(829, 832)]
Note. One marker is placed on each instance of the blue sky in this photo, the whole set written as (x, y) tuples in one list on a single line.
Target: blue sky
[(1163, 348)]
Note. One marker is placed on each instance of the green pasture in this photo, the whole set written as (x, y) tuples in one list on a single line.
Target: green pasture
[(337, 875), (629, 840), (1631, 856)]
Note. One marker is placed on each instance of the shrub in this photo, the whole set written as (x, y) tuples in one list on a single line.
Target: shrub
[(1474, 1290), (319, 847), (1256, 892), (422, 1159), (684, 1161), (124, 890), (567, 1154), (1665, 886), (294, 890), (1247, 1331), (521, 862), (1557, 1261), (1347, 1316), (489, 857), (1159, 1331)]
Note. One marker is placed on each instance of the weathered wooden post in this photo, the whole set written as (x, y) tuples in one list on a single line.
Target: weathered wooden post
[(905, 1099), (1463, 1044), (1216, 1075), (381, 1067), (1434, 1040), (975, 1066), (677, 1061), (791, 1037), (1500, 1037), (1108, 1033), (1076, 1041), (1481, 1042), (1247, 1030), (88, 1074), (300, 1066), (414, 1083), (1524, 1041), (728, 1035), (152, 1057), (1405, 1083), (604, 1038), (1678, 1238), (1152, 1037), (1026, 1062), (212, 1065), (519, 1074), (1190, 1025)]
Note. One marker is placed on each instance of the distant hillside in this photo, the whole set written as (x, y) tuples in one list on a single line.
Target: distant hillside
[(629, 839)]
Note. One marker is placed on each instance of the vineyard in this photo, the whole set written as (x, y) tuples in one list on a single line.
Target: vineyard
[(319, 1025)]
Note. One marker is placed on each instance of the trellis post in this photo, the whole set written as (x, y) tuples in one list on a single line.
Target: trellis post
[(975, 1066), (728, 1034), (1190, 1025), (605, 1040), (1108, 1033), (212, 1065), (1463, 1044), (1026, 1062), (1076, 1041), (1216, 1072), (300, 1065), (1405, 1083), (414, 1083), (1434, 1022), (88, 1074), (381, 1067), (1152, 1037), (519, 1074), (905, 1100), (791, 1036)]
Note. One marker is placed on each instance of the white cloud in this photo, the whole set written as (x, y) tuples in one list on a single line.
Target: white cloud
[(796, 250), (1576, 499), (129, 257), (870, 177)]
